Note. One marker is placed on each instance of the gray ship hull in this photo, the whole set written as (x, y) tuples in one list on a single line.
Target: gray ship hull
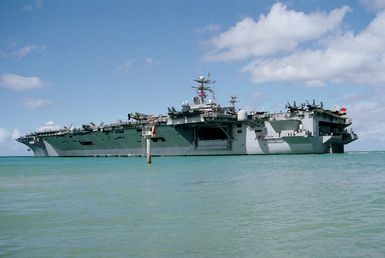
[(203, 128), (171, 142)]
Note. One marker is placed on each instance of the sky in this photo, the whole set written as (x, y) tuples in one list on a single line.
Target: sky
[(68, 63)]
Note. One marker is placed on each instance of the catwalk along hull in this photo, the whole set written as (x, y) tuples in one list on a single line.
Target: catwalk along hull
[(204, 128)]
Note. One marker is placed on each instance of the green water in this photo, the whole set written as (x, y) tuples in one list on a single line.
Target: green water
[(238, 206)]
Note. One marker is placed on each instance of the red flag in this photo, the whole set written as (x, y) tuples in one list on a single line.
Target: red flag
[(202, 94)]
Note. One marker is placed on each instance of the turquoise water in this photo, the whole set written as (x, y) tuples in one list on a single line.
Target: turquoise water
[(238, 206)]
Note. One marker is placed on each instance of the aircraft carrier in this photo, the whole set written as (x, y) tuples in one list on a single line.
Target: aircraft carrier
[(204, 128)]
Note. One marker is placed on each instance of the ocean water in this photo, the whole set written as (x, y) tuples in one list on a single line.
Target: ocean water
[(238, 206)]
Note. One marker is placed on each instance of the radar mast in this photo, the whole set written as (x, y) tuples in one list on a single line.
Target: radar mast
[(203, 88)]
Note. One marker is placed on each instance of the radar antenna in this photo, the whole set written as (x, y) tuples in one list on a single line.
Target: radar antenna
[(232, 101), (203, 87)]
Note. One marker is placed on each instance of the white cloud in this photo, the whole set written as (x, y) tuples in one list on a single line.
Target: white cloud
[(24, 51), (212, 27), (7, 137), (344, 58), (20, 83), (368, 118), (310, 49), (9, 49), (4, 135), (36, 103), (28, 8), (374, 4), (15, 134), (311, 67), (8, 145), (36, 4), (49, 126), (150, 61), (280, 31), (126, 66)]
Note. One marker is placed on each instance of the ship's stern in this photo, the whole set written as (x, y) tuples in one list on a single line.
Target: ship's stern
[(336, 143)]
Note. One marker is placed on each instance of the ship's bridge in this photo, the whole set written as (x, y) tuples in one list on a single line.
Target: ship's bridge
[(198, 104)]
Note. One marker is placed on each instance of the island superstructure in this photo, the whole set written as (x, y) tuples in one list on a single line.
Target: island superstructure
[(204, 128)]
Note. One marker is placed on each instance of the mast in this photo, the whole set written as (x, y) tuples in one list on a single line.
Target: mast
[(203, 88)]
